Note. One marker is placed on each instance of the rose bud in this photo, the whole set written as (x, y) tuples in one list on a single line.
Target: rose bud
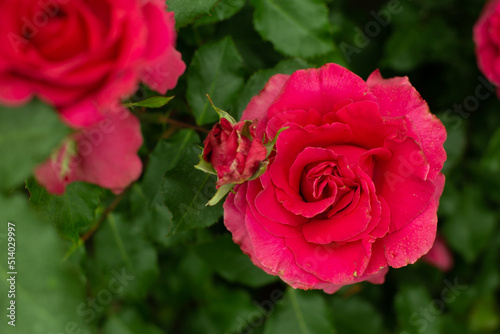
[(233, 151)]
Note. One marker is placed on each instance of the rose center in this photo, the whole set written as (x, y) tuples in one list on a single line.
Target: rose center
[(325, 180)]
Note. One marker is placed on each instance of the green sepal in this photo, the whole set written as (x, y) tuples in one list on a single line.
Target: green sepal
[(222, 114), (270, 146), (150, 102), (205, 166), (220, 194)]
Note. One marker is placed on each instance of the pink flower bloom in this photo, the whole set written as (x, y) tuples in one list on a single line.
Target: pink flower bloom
[(487, 39), (354, 184), (104, 154), (234, 154), (82, 55), (439, 255)]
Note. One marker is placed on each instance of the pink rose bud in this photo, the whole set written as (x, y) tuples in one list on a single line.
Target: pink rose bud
[(234, 151), (439, 255)]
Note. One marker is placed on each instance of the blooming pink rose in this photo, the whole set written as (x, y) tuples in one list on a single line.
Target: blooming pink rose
[(487, 39), (80, 55), (233, 151), (354, 184), (439, 255), (104, 154)]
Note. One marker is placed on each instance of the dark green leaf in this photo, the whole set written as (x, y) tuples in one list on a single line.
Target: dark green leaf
[(166, 156), (122, 250), (216, 70), (222, 11), (454, 147), (347, 313), (416, 311), (28, 135), (186, 191), (227, 259), (70, 212), (470, 226), (485, 316), (260, 78), (128, 321), (225, 311), (295, 27), (187, 11), (49, 294), (491, 158), (300, 312)]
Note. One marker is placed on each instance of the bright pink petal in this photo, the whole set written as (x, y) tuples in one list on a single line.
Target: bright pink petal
[(402, 184), (337, 264), (415, 239), (258, 106), (396, 98), (321, 89)]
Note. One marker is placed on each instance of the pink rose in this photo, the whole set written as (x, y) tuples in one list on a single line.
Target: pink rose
[(354, 184), (439, 255), (104, 154), (81, 55), (233, 151), (487, 39)]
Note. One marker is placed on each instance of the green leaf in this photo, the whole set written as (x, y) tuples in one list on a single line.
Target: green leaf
[(186, 191), (224, 10), (454, 147), (187, 12), (227, 259), (166, 156), (129, 321), (259, 79), (428, 40), (216, 70), (347, 313), (151, 102), (295, 27), (28, 135), (224, 311), (416, 312), (70, 212), (484, 316), (491, 158), (470, 225), (300, 312), (123, 250), (48, 293)]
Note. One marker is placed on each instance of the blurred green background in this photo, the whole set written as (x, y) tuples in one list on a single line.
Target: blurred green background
[(156, 260)]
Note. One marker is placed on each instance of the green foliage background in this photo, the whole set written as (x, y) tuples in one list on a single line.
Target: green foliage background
[(145, 261)]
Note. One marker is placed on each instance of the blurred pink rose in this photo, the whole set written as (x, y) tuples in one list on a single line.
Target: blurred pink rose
[(439, 255), (104, 154), (233, 151), (81, 55), (354, 184), (487, 38)]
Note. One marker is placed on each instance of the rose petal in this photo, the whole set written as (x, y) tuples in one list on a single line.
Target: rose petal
[(396, 98)]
